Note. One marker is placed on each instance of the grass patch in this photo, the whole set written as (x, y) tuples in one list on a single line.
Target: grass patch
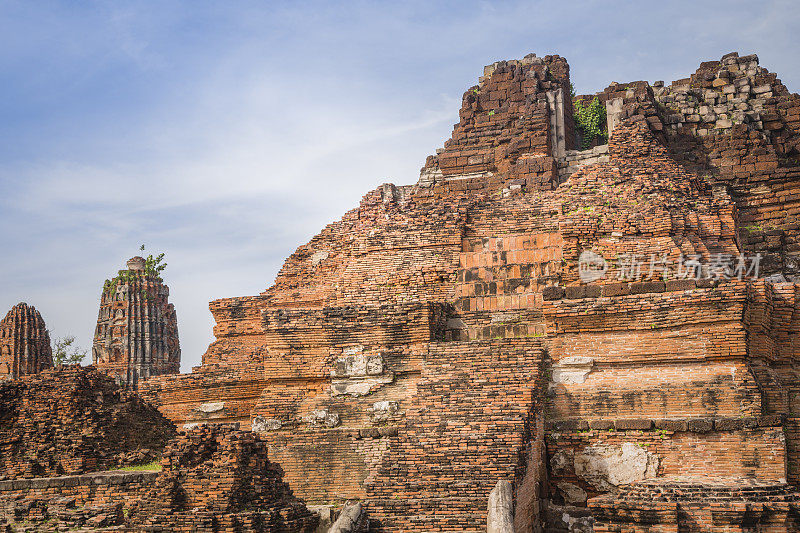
[(153, 466)]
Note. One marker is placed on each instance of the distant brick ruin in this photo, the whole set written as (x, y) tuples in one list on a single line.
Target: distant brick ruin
[(137, 329), (595, 324), (442, 336), (24, 343)]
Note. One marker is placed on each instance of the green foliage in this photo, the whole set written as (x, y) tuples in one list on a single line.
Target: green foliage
[(65, 353), (572, 91), (149, 467), (153, 267), (591, 121)]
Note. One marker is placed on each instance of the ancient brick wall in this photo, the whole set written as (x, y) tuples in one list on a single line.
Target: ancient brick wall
[(210, 394), (513, 125), (96, 500), (450, 449), (24, 343)]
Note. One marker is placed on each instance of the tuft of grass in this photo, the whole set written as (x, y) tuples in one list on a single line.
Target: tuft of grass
[(153, 466)]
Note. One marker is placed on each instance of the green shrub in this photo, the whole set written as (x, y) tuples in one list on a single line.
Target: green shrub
[(591, 121)]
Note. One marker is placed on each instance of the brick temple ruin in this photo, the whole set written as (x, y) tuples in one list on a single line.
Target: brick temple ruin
[(609, 325), (439, 337), (24, 343), (137, 328)]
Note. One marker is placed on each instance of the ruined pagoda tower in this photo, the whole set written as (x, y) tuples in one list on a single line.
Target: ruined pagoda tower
[(24, 343), (137, 329)]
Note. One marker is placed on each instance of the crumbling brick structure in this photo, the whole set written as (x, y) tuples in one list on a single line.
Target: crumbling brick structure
[(212, 479), (216, 478), (73, 420), (576, 322), (24, 343), (137, 329)]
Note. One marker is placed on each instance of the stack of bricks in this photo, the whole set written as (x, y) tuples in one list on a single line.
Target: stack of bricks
[(72, 420), (24, 343), (641, 203), (137, 330), (217, 478), (439, 337), (734, 90), (737, 122)]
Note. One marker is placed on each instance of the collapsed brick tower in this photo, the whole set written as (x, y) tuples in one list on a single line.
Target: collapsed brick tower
[(24, 343), (137, 328)]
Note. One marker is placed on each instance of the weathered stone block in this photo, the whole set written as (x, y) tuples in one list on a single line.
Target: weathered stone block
[(608, 466), (601, 424), (572, 369), (615, 289), (553, 292), (680, 285), (624, 424), (672, 424), (500, 518), (701, 425), (728, 424), (575, 292)]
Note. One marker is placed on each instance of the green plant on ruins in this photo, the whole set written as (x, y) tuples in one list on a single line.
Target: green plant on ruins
[(153, 267), (65, 352), (590, 120)]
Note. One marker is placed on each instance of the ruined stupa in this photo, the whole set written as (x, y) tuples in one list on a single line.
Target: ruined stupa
[(24, 343), (137, 328)]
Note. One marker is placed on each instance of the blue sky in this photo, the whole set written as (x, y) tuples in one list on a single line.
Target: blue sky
[(228, 133)]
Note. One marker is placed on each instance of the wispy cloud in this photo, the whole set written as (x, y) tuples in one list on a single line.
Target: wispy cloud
[(228, 135)]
